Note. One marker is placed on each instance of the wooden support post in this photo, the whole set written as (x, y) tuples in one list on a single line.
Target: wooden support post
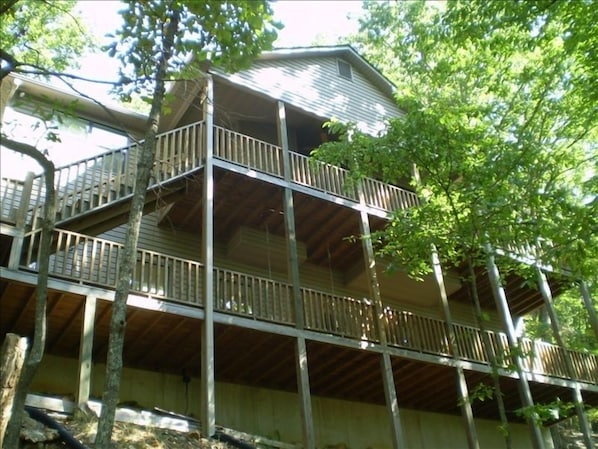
[(208, 404), (466, 410), (556, 330), (390, 393), (86, 350), (21, 216), (589, 305), (392, 403), (301, 365), (8, 87), (16, 248), (503, 309), (14, 258)]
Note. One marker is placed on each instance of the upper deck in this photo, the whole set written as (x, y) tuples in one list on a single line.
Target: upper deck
[(97, 182)]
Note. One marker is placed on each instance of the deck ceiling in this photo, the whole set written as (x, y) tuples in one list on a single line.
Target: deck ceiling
[(170, 343), (240, 201), (521, 297), (323, 227)]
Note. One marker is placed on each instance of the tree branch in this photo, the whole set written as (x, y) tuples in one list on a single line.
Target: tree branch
[(33, 153), (6, 5)]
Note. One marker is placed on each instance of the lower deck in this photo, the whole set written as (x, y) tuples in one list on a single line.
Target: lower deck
[(165, 338)]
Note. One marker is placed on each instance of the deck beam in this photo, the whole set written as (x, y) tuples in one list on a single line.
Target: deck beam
[(208, 400), (556, 331), (301, 365), (86, 350), (505, 314), (390, 393)]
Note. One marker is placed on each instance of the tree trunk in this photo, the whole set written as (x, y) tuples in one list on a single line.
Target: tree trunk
[(14, 352), (127, 258), (473, 290), (33, 359)]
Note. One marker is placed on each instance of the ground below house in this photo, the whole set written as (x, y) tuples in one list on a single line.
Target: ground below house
[(129, 436)]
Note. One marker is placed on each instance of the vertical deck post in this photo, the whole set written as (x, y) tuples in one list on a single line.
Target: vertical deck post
[(208, 406), (503, 309), (85, 350), (587, 302), (301, 365), (556, 330), (466, 409), (16, 248), (390, 393)]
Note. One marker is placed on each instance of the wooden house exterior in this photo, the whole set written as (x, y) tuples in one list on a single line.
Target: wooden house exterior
[(251, 307)]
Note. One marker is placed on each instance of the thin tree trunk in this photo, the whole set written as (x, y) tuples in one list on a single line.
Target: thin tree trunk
[(473, 289), (13, 429), (127, 257), (14, 353)]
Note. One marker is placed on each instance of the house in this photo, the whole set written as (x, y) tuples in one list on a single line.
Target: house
[(250, 306)]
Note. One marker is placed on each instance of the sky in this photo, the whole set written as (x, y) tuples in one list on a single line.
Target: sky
[(304, 20)]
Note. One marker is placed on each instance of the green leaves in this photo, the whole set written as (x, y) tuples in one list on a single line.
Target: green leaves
[(227, 34), (43, 35), (497, 119)]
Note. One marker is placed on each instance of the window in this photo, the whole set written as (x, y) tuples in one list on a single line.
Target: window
[(344, 69)]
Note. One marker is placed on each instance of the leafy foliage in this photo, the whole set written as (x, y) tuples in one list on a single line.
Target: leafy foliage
[(575, 327), (38, 34), (498, 123), (229, 34)]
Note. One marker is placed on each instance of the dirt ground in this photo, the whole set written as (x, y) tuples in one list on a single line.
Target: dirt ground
[(130, 436)]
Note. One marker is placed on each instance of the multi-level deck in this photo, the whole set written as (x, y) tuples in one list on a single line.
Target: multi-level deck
[(254, 313)]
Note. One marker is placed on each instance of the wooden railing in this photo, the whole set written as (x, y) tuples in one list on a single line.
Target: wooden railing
[(268, 158), (248, 152), (325, 177), (386, 196), (11, 191), (96, 181), (253, 296), (90, 260), (339, 315), (422, 334)]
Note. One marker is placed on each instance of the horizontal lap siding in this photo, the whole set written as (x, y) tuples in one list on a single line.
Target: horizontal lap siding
[(313, 84)]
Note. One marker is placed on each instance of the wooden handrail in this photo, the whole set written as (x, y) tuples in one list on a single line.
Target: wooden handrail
[(95, 181), (386, 196), (321, 176), (248, 151), (91, 260), (10, 197)]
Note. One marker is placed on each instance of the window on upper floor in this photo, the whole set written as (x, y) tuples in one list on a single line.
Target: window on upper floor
[(344, 69)]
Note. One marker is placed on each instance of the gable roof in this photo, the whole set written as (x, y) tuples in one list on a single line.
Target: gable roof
[(185, 91), (346, 52)]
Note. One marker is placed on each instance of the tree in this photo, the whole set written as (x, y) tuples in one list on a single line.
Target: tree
[(498, 123), (160, 40), (34, 356), (40, 36)]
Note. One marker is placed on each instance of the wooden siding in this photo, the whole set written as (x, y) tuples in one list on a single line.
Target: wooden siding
[(313, 85)]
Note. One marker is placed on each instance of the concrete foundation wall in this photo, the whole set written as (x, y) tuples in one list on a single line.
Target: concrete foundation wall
[(276, 414)]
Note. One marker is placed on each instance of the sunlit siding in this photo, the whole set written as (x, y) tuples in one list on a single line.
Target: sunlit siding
[(314, 85)]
